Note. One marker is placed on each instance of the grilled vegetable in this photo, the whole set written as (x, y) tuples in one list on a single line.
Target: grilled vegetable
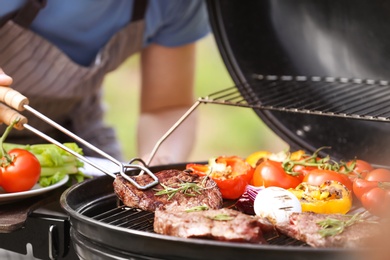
[(283, 169), (271, 173), (276, 204), (374, 191), (253, 158), (247, 199), (319, 176), (327, 198), (356, 169), (231, 173)]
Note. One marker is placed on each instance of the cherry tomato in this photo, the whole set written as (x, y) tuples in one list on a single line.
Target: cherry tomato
[(304, 170), (377, 201), (378, 175), (271, 173), (360, 169), (22, 173), (361, 186), (374, 191), (319, 176)]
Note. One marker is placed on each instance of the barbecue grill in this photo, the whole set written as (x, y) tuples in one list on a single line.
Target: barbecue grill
[(315, 72)]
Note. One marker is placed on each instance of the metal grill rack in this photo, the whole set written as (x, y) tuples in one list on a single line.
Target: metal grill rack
[(327, 96), (362, 99)]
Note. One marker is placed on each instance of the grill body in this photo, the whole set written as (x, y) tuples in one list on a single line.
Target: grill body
[(102, 230)]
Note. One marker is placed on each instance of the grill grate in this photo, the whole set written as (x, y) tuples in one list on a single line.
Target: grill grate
[(336, 97), (126, 217), (135, 219)]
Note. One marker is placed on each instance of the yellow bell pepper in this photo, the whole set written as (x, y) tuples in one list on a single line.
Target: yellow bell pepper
[(253, 158), (330, 197)]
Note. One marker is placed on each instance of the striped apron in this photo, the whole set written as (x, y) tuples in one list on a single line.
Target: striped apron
[(59, 88)]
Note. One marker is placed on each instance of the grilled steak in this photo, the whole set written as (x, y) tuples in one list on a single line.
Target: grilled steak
[(220, 224), (201, 191), (304, 227)]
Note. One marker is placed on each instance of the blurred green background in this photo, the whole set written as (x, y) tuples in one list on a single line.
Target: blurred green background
[(222, 130)]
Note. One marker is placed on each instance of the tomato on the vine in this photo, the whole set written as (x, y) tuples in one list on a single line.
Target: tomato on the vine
[(379, 174), (304, 170), (357, 169), (21, 173), (271, 173), (361, 186), (319, 176), (374, 191), (377, 201)]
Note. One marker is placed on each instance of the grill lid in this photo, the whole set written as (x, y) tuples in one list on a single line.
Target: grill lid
[(315, 72)]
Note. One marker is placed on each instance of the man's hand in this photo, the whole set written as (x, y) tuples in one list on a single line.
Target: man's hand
[(12, 99), (5, 80)]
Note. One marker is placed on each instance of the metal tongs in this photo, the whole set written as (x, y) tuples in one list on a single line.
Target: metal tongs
[(19, 102)]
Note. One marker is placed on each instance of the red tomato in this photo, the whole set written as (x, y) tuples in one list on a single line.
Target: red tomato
[(319, 176), (361, 186), (360, 169), (377, 201), (378, 175), (374, 191), (271, 173), (304, 170), (22, 173)]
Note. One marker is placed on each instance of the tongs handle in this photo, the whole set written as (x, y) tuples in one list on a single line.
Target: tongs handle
[(8, 115), (15, 100)]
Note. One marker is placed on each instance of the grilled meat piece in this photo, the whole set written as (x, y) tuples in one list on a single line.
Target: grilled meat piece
[(202, 191), (220, 224), (304, 227)]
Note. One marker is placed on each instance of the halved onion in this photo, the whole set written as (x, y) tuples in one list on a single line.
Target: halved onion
[(276, 204)]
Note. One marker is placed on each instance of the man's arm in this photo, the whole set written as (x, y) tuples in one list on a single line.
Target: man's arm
[(167, 93)]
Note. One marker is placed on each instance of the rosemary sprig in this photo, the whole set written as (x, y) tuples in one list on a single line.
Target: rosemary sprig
[(205, 178), (187, 188), (221, 217), (197, 208), (332, 227), (314, 160)]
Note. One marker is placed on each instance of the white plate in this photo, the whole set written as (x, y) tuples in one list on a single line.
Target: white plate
[(36, 190)]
